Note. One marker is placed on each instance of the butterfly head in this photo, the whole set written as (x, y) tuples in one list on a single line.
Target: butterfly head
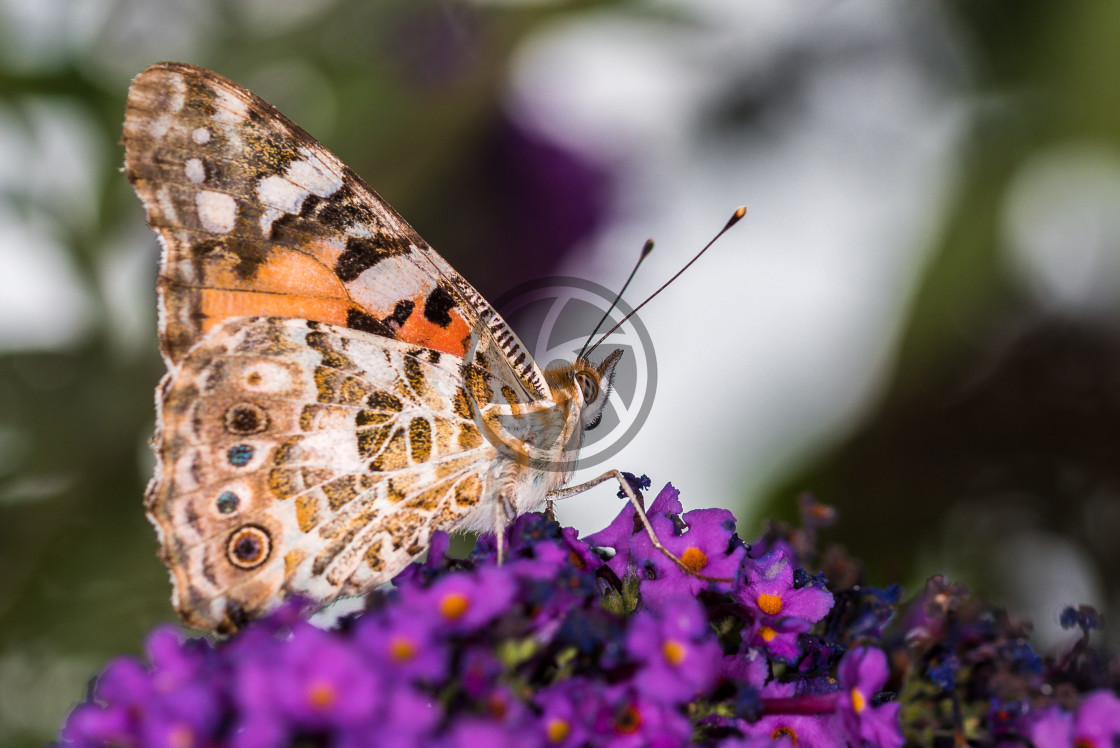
[(594, 383)]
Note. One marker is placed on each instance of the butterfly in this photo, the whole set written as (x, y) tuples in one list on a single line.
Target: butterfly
[(335, 391)]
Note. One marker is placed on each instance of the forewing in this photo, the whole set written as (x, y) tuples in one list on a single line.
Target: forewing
[(257, 218), (301, 458)]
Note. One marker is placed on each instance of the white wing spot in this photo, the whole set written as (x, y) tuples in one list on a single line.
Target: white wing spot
[(277, 192), (230, 109), (195, 171), (178, 88), (392, 278), (200, 135), (267, 377), (166, 204), (285, 194), (267, 217), (314, 176), (217, 211), (160, 127), (186, 478), (279, 196)]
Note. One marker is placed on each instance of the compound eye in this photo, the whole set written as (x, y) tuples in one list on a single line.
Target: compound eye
[(588, 386)]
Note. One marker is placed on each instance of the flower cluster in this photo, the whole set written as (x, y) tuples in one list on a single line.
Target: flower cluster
[(616, 640)]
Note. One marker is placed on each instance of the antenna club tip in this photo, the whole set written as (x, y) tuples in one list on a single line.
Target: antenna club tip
[(647, 247), (735, 217)]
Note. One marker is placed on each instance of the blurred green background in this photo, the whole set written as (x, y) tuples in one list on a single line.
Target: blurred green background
[(981, 438)]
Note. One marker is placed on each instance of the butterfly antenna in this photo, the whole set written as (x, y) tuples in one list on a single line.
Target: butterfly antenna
[(735, 218), (646, 249)]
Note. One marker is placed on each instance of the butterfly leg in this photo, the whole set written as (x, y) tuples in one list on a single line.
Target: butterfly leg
[(639, 509), (503, 513)]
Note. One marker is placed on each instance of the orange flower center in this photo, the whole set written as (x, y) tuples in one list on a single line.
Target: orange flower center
[(181, 737), (858, 701), (628, 721), (673, 651), (694, 559), (558, 729), (321, 695), (785, 732), (454, 605), (497, 706), (769, 604), (767, 633), (402, 649)]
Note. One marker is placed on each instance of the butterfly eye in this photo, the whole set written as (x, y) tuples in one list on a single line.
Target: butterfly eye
[(588, 386)]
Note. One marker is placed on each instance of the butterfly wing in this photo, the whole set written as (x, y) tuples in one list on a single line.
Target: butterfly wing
[(301, 458), (257, 218), (315, 425)]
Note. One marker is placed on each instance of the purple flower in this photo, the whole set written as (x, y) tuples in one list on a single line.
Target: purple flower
[(667, 501), (474, 732), (760, 741), (862, 673), (321, 681), (1097, 724), (769, 591), (708, 547), (678, 657), (260, 722), (780, 638), (628, 538), (1051, 728), (567, 712), (408, 720), (552, 588), (628, 720), (749, 667), (804, 730), (462, 602), (594, 634), (581, 556), (617, 536), (551, 649), (544, 564), (93, 724), (405, 645), (311, 680), (479, 672), (170, 703)]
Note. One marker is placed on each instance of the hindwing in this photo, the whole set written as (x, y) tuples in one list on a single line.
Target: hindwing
[(301, 458)]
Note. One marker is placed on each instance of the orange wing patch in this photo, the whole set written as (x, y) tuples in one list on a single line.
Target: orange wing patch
[(287, 284), (453, 338)]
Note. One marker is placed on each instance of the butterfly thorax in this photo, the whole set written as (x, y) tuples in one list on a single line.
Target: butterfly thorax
[(539, 442)]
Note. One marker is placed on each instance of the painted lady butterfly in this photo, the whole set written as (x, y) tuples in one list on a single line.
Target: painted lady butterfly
[(335, 390)]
